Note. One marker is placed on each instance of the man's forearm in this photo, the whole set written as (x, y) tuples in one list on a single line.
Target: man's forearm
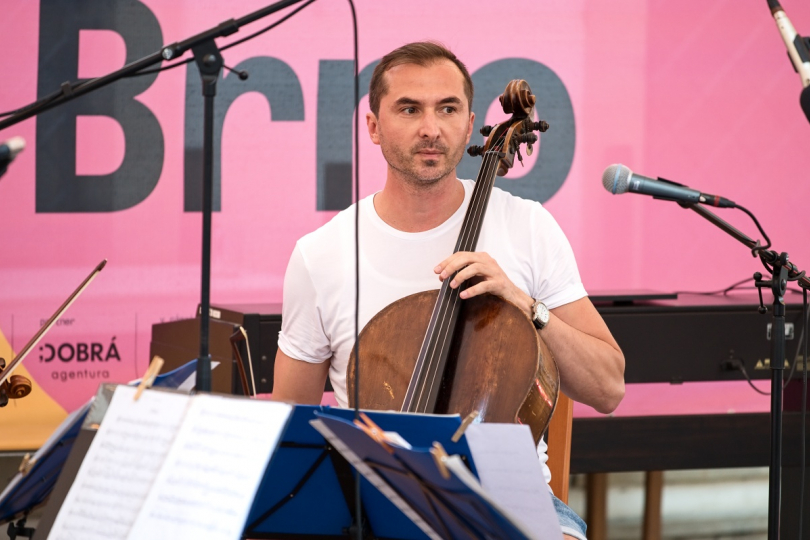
[(591, 364)]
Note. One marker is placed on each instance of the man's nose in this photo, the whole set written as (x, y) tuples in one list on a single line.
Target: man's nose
[(429, 127)]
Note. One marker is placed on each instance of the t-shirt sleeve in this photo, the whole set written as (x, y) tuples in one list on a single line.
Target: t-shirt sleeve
[(557, 282), (302, 333)]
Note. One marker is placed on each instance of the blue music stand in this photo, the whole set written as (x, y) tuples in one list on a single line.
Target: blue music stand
[(447, 507), (308, 487), (24, 493)]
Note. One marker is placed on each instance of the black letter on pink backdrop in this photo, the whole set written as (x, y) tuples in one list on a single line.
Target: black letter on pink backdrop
[(59, 189)]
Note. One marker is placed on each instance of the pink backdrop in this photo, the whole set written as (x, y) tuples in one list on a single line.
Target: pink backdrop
[(697, 92)]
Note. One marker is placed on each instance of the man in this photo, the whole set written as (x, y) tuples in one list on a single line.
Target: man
[(420, 99)]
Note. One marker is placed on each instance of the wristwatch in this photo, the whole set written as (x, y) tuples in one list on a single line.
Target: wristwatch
[(540, 314)]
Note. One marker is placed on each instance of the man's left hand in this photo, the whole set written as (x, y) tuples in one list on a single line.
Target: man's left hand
[(491, 278)]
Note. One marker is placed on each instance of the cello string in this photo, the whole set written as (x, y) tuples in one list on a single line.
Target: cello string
[(426, 362), (440, 330), (449, 298), (466, 242)]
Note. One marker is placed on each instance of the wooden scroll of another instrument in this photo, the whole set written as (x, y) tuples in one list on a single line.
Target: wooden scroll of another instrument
[(17, 386)]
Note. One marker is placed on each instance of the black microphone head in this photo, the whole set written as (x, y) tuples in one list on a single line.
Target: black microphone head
[(616, 179), (804, 99)]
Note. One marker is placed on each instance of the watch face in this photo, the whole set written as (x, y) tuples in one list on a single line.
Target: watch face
[(541, 314)]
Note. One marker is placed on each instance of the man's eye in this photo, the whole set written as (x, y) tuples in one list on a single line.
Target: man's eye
[(448, 109), (409, 110)]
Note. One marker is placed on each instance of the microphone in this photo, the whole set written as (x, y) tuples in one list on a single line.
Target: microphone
[(804, 101), (9, 150), (619, 179), (797, 47)]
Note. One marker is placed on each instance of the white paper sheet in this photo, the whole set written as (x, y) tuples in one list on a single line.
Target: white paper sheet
[(510, 472), (207, 485), (171, 466), (120, 465)]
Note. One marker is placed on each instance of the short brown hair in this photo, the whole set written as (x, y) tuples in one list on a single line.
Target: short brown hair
[(421, 53)]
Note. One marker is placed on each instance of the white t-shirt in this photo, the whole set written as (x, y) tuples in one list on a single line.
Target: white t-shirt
[(319, 286)]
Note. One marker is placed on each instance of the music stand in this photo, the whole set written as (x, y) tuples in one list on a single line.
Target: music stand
[(435, 490), (26, 492), (307, 477)]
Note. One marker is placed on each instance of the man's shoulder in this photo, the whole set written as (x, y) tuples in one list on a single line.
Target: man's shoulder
[(512, 205), (331, 232)]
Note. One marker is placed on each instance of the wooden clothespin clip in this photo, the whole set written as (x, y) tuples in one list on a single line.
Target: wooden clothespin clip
[(149, 377), (438, 453), (464, 425), (27, 463), (374, 431)]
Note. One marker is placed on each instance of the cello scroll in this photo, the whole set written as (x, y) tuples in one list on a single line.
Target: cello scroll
[(517, 99)]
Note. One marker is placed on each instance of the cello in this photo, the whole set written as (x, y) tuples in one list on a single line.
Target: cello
[(431, 352)]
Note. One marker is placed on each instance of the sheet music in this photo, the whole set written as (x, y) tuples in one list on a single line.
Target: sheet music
[(510, 472), (120, 465), (171, 466), (460, 470), (212, 472)]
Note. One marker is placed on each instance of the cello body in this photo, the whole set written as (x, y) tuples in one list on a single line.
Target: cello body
[(498, 364)]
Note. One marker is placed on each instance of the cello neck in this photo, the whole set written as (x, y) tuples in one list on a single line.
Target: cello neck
[(425, 384)]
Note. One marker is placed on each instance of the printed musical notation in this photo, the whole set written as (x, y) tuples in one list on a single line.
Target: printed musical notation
[(212, 471), (121, 465), (511, 474), (171, 465)]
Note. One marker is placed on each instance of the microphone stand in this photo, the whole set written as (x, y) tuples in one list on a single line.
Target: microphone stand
[(209, 61), (782, 272)]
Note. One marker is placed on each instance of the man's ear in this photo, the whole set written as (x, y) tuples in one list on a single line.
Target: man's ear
[(373, 128), (470, 127)]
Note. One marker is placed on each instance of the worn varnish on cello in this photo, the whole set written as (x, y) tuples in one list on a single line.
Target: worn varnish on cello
[(432, 352)]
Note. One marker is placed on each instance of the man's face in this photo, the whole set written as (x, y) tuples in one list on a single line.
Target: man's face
[(424, 122)]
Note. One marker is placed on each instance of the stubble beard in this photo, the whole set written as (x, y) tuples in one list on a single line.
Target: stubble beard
[(422, 173)]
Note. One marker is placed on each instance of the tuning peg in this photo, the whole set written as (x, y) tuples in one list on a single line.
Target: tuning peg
[(540, 126), (529, 138), (486, 130), (475, 150)]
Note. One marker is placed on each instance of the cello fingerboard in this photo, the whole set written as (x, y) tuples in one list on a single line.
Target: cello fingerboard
[(423, 390)]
